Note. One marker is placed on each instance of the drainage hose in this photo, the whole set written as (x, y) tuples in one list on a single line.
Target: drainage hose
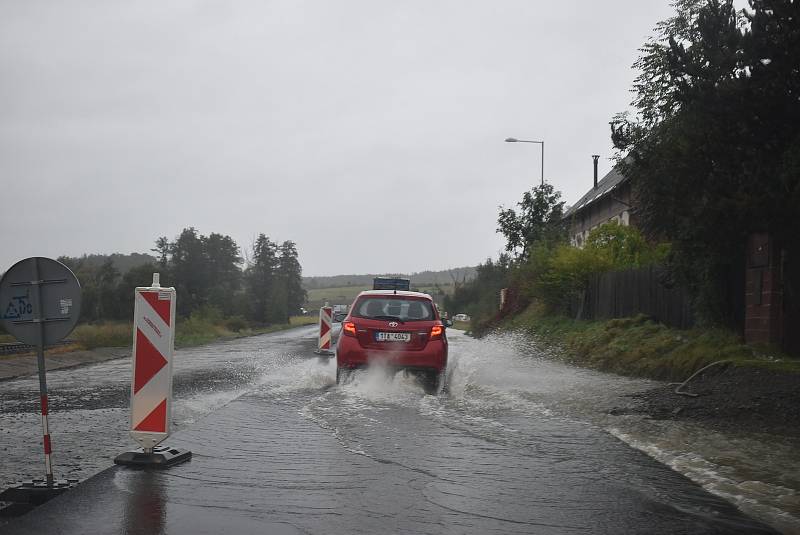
[(704, 368)]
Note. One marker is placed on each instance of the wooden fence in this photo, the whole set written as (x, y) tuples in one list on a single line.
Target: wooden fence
[(619, 294)]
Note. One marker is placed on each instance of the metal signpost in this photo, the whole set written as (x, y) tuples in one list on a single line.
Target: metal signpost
[(40, 301)]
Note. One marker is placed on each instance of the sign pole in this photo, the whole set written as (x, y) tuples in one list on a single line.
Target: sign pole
[(48, 465), (40, 302), (36, 284)]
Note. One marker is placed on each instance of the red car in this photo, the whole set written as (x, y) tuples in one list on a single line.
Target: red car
[(401, 330)]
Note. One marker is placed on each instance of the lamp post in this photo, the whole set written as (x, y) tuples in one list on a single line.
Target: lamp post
[(515, 140)]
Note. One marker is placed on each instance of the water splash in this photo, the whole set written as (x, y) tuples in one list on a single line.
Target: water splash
[(498, 385)]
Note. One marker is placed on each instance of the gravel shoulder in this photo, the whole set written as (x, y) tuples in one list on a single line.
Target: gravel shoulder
[(23, 365), (728, 398)]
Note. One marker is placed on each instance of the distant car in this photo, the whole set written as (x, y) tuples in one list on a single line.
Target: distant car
[(399, 329), (461, 317)]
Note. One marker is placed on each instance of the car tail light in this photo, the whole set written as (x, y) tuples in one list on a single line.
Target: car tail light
[(436, 332), (349, 328)]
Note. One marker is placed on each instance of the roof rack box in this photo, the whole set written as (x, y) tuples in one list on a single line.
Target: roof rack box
[(390, 283)]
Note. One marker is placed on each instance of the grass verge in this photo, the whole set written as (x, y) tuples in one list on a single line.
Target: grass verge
[(640, 347), (461, 325), (192, 331)]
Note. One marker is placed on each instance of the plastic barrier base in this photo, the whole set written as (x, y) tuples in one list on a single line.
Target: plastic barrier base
[(28, 494), (161, 457), (15, 509)]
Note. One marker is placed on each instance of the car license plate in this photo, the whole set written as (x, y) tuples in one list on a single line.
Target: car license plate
[(393, 337)]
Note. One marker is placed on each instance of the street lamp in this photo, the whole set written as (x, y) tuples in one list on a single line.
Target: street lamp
[(515, 140)]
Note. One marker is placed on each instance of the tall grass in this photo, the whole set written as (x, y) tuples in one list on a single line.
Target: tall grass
[(461, 325), (297, 321), (641, 347), (111, 334), (196, 330)]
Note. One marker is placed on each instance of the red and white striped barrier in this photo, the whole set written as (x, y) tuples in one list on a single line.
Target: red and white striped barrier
[(153, 348), (325, 326)]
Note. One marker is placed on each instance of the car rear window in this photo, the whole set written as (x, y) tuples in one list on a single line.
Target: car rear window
[(393, 308)]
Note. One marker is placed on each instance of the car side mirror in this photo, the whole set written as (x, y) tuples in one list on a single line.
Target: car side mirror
[(339, 316), (448, 322)]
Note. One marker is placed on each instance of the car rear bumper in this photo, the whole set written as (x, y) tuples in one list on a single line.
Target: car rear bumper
[(350, 354)]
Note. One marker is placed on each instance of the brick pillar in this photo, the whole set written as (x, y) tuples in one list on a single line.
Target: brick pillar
[(763, 292)]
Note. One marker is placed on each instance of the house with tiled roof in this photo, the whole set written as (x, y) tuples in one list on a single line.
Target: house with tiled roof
[(609, 200)]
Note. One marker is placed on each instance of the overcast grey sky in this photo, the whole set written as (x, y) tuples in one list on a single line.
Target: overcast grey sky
[(369, 132)]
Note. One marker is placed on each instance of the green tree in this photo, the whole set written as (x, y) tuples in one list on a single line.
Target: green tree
[(205, 270), (563, 273), (141, 275), (98, 278), (539, 218), (557, 274), (188, 271), (163, 250), (223, 273), (261, 281), (480, 297), (717, 108), (106, 279), (291, 276), (624, 246), (85, 274)]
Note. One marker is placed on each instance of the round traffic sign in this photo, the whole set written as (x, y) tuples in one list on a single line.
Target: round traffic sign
[(40, 301)]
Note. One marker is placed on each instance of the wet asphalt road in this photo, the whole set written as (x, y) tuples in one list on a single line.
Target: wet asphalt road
[(279, 448)]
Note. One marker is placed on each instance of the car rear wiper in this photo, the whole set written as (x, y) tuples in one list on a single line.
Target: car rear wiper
[(388, 318)]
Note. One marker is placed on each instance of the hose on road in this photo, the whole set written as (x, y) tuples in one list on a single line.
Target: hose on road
[(695, 374)]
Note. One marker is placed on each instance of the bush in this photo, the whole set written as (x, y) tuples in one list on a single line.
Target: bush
[(567, 273), (555, 273), (236, 324), (480, 297), (199, 329), (116, 334), (624, 246), (551, 273)]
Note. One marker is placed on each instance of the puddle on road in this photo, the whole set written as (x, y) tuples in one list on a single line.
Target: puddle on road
[(498, 386), (89, 406), (758, 474), (503, 375)]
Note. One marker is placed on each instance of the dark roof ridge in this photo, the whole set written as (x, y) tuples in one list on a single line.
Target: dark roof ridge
[(611, 180)]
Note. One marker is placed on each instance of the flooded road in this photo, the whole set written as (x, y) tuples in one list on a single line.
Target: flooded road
[(518, 444)]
